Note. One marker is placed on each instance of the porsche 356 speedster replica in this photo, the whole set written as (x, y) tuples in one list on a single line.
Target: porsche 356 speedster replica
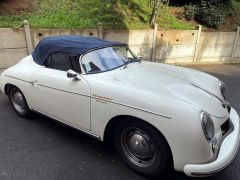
[(156, 115)]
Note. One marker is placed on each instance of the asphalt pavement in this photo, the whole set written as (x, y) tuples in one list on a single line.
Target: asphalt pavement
[(42, 149)]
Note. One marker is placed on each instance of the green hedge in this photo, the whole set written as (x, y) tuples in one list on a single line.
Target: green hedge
[(209, 13)]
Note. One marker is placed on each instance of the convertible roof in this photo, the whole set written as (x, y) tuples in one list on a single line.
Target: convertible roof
[(71, 44)]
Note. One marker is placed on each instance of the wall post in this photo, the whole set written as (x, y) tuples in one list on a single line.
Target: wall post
[(28, 36), (197, 43), (154, 43), (100, 30), (235, 44)]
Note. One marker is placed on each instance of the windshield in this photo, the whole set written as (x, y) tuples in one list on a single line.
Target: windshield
[(106, 59)]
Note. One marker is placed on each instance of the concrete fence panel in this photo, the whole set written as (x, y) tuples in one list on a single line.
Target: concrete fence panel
[(10, 38), (237, 55), (219, 38), (38, 34), (140, 41), (176, 37), (131, 37), (238, 40), (176, 46), (214, 51), (171, 46), (12, 46), (175, 53), (237, 52), (9, 57), (215, 46), (142, 50)]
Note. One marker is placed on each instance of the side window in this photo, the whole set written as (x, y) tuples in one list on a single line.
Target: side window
[(59, 61), (76, 64)]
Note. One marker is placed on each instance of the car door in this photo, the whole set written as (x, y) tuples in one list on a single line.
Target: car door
[(60, 97)]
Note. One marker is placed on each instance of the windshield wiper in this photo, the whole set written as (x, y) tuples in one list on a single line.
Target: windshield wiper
[(131, 61)]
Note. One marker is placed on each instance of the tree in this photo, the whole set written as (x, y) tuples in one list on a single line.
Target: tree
[(156, 7)]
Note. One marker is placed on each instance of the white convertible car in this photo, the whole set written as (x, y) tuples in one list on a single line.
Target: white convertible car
[(156, 115)]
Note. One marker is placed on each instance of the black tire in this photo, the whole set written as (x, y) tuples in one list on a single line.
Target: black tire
[(18, 102), (152, 157)]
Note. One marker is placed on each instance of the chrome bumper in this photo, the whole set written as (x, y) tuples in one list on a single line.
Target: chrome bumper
[(1, 84), (227, 153)]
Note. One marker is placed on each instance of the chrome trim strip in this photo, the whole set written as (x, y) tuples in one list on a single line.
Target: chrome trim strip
[(208, 92), (64, 90), (215, 97), (108, 100), (133, 107), (18, 79), (69, 124)]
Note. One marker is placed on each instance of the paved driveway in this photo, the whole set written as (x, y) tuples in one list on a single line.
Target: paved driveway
[(44, 149)]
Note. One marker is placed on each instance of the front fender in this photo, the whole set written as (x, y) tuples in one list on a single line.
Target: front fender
[(183, 130)]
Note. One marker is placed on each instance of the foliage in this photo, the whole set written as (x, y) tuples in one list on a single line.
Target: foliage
[(113, 14), (169, 21), (211, 13), (236, 11), (190, 11)]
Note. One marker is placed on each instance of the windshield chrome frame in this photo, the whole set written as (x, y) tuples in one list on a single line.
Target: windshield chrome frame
[(82, 55)]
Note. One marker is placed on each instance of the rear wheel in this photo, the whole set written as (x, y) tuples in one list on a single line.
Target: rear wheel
[(142, 148), (18, 102)]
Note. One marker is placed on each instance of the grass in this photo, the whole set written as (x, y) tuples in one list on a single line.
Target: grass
[(125, 14), (73, 14), (167, 20)]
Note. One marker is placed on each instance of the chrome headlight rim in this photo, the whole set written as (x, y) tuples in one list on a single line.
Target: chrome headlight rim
[(223, 89), (207, 126)]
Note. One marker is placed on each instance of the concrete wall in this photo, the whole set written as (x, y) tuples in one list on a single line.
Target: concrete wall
[(175, 46), (237, 52), (12, 47), (216, 46)]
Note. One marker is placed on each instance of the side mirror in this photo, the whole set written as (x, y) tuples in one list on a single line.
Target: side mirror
[(140, 58), (72, 75)]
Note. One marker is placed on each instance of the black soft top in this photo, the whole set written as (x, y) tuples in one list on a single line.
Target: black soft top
[(72, 44)]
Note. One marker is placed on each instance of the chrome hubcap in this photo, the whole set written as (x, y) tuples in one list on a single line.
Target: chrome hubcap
[(18, 101), (138, 147)]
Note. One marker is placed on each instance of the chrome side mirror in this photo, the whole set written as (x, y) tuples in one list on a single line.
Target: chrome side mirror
[(140, 58), (72, 75)]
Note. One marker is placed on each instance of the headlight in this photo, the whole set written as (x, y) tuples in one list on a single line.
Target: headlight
[(223, 89), (208, 126)]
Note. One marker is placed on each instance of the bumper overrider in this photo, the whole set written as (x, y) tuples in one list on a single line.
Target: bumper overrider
[(227, 152), (1, 84)]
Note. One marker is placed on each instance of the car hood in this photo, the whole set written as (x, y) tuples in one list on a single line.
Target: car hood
[(194, 87)]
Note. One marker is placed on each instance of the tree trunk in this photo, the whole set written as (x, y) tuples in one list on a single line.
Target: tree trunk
[(155, 13)]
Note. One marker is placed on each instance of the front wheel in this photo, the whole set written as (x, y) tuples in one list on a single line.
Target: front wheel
[(142, 148), (19, 103)]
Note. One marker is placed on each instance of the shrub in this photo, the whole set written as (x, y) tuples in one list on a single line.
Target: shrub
[(209, 12), (190, 11), (212, 14)]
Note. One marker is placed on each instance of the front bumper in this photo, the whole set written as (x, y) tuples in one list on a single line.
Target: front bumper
[(1, 84), (227, 153)]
